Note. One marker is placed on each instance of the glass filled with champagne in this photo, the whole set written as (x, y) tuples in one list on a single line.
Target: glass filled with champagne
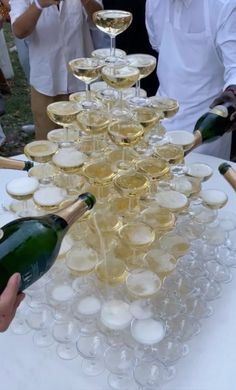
[(64, 114), (112, 23), (87, 70)]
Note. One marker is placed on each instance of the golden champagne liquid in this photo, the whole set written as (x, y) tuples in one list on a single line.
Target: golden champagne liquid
[(158, 218), (174, 244), (112, 271), (137, 234), (168, 106), (154, 168), (131, 184), (147, 117), (40, 151), (144, 62), (120, 77), (143, 283), (117, 154), (81, 95), (125, 132), (106, 221), (99, 172), (62, 113), (69, 159), (171, 153), (93, 121), (86, 69), (49, 198), (120, 205), (160, 262), (112, 22), (88, 145), (81, 260), (42, 171)]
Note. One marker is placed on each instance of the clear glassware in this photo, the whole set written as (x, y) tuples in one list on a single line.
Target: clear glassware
[(22, 189), (59, 136), (69, 159), (146, 64), (92, 348), (183, 327), (86, 310), (168, 106), (43, 172), (86, 70), (125, 133), (40, 319), (40, 151), (59, 294), (152, 376), (120, 361), (50, 197), (19, 325), (181, 138), (174, 154), (63, 113), (112, 23), (66, 334)]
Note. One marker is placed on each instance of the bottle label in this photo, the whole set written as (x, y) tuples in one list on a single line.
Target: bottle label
[(30, 275), (220, 110)]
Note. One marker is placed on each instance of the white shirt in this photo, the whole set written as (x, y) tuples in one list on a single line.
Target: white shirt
[(58, 37), (186, 15)]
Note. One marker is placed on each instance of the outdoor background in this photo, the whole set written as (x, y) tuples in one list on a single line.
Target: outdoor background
[(17, 105)]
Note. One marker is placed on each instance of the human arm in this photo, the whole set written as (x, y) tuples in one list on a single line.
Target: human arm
[(229, 95), (25, 24), (9, 301), (91, 6)]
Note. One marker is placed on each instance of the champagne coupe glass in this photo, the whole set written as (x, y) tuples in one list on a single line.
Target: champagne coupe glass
[(146, 64), (49, 198), (66, 334), (147, 333), (91, 348), (60, 136), (40, 319), (19, 325), (68, 159), (105, 52), (81, 260), (100, 174), (198, 170), (181, 138), (160, 261), (174, 154), (152, 376), (44, 173), (60, 294), (132, 185), (87, 70), (119, 361), (155, 169), (120, 77), (115, 317), (22, 189), (113, 23), (86, 310), (40, 151), (125, 133), (94, 122), (64, 114), (167, 105)]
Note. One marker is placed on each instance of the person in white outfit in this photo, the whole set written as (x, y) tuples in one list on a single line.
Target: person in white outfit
[(56, 32), (196, 42)]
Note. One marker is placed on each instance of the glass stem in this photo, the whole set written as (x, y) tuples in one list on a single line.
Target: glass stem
[(137, 88), (113, 46), (88, 92)]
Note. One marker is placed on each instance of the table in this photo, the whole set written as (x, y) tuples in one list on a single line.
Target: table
[(210, 364)]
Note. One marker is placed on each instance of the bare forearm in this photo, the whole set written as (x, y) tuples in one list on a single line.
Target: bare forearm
[(91, 6), (25, 24)]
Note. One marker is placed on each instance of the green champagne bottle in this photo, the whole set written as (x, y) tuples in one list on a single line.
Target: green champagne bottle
[(213, 124), (229, 174), (30, 245), (10, 163)]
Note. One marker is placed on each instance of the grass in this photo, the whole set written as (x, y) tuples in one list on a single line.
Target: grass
[(17, 105)]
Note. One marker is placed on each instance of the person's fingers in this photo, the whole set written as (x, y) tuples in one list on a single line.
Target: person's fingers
[(20, 297), (9, 294), (226, 96)]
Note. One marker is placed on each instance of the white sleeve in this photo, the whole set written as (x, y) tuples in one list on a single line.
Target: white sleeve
[(226, 42), (150, 20), (18, 7)]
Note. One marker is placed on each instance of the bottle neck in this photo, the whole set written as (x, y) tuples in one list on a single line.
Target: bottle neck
[(75, 210), (229, 174), (8, 163)]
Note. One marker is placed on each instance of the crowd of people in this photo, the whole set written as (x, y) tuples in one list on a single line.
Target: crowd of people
[(193, 40)]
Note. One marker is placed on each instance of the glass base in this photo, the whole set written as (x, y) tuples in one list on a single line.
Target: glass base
[(92, 367), (43, 338), (138, 101), (67, 351), (120, 382)]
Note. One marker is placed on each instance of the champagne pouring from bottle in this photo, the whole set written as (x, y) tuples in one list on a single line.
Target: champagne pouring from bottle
[(30, 245)]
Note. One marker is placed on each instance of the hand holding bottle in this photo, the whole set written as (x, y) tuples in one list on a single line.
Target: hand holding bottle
[(229, 95), (9, 301)]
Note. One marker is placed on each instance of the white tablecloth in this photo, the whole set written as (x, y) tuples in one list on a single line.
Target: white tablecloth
[(210, 365)]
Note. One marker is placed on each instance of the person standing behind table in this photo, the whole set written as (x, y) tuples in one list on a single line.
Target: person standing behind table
[(196, 42), (56, 31), (135, 38)]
